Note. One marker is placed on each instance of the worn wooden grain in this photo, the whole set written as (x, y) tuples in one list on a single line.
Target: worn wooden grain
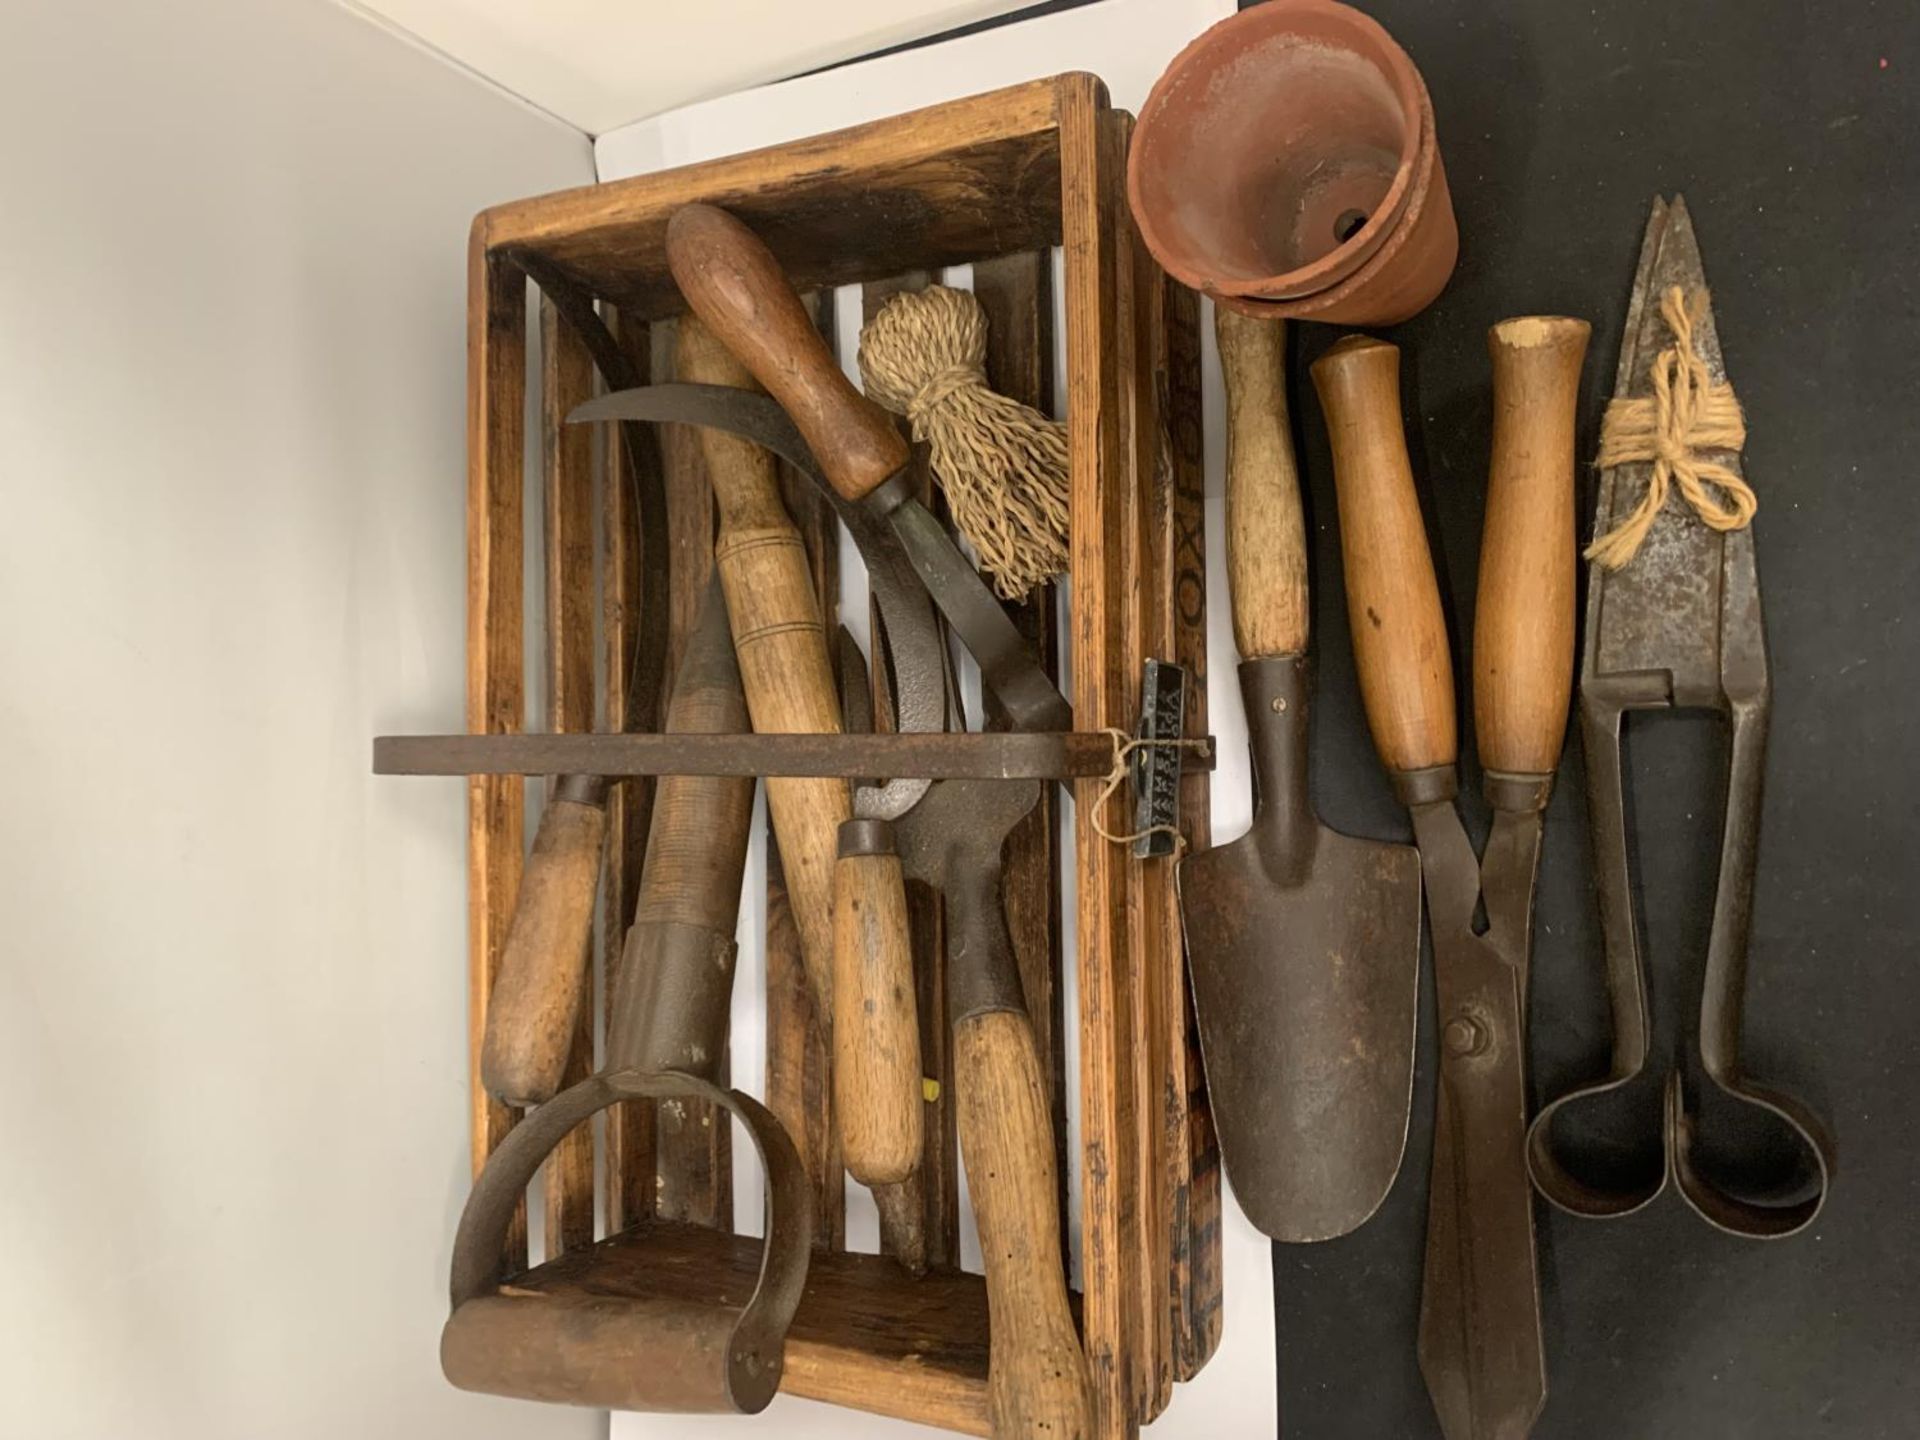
[(1393, 602), (1037, 1377), (630, 1124), (496, 680), (865, 1335), (566, 380), (1016, 293), (1192, 1153), (1523, 614), (1266, 527), (1112, 1236), (936, 187), (1156, 952), (920, 1224), (799, 1080)]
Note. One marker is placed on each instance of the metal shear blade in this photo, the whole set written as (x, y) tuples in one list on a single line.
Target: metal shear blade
[(1679, 627)]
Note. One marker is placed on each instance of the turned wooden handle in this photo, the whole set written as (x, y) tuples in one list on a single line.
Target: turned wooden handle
[(1523, 619), (736, 286), (1038, 1386), (876, 1025), (1266, 531), (782, 650), (1393, 600), (537, 993)]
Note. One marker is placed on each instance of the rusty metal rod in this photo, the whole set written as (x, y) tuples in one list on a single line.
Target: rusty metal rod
[(1060, 755)]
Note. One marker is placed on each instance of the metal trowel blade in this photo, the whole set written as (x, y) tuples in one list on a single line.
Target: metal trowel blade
[(1304, 947)]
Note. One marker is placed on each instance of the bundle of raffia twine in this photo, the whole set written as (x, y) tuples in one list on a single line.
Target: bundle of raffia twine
[(1686, 417), (1003, 465)]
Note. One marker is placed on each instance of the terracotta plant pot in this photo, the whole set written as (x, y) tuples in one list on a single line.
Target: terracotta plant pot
[(1286, 165)]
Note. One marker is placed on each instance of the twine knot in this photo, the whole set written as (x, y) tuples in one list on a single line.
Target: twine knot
[(1003, 465), (936, 390), (1686, 417), (1123, 747)]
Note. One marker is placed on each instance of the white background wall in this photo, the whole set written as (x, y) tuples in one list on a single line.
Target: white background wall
[(232, 997)]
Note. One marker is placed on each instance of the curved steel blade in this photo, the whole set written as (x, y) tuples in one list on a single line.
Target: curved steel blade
[(1007, 665), (915, 653)]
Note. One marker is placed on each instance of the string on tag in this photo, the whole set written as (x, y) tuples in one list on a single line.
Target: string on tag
[(1124, 746)]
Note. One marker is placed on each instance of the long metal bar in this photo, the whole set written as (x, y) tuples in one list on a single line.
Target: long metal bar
[(1057, 755)]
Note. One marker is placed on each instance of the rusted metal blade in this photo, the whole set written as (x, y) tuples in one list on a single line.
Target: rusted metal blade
[(1480, 1346), (1304, 945)]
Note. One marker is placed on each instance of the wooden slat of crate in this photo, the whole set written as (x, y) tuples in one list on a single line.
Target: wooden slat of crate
[(1193, 1155), (1112, 1235), (566, 452), (863, 1336), (1156, 935), (630, 1124), (496, 681), (856, 205), (1016, 292), (799, 1088)]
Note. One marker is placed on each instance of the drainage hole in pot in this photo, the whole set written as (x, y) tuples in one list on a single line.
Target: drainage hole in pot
[(1348, 225)]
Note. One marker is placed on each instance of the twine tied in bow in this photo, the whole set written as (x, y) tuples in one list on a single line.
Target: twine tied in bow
[(1685, 419), (1002, 465)]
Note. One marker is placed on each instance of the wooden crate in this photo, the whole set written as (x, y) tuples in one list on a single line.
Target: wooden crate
[(994, 181)]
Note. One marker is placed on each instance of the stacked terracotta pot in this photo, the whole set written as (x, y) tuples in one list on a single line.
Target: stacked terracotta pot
[(1286, 165)]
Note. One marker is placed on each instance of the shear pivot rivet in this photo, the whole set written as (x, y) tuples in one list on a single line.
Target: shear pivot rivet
[(1279, 704), (1465, 1036)]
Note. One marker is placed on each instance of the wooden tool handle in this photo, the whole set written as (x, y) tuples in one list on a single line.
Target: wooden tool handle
[(736, 286), (1266, 531), (1393, 600), (1038, 1386), (876, 1026), (782, 650), (536, 997), (1523, 619), (667, 1007)]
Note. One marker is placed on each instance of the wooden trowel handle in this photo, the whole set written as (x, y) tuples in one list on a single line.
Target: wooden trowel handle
[(1523, 619), (1393, 600), (535, 1004), (736, 286), (1266, 533)]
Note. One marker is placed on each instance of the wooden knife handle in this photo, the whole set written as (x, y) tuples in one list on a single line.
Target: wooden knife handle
[(1038, 1387), (876, 1024), (782, 650), (1393, 600), (1523, 619), (737, 288), (1266, 531), (537, 993)]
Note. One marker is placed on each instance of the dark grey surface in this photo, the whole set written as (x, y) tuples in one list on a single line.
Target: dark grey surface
[(1796, 150)]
